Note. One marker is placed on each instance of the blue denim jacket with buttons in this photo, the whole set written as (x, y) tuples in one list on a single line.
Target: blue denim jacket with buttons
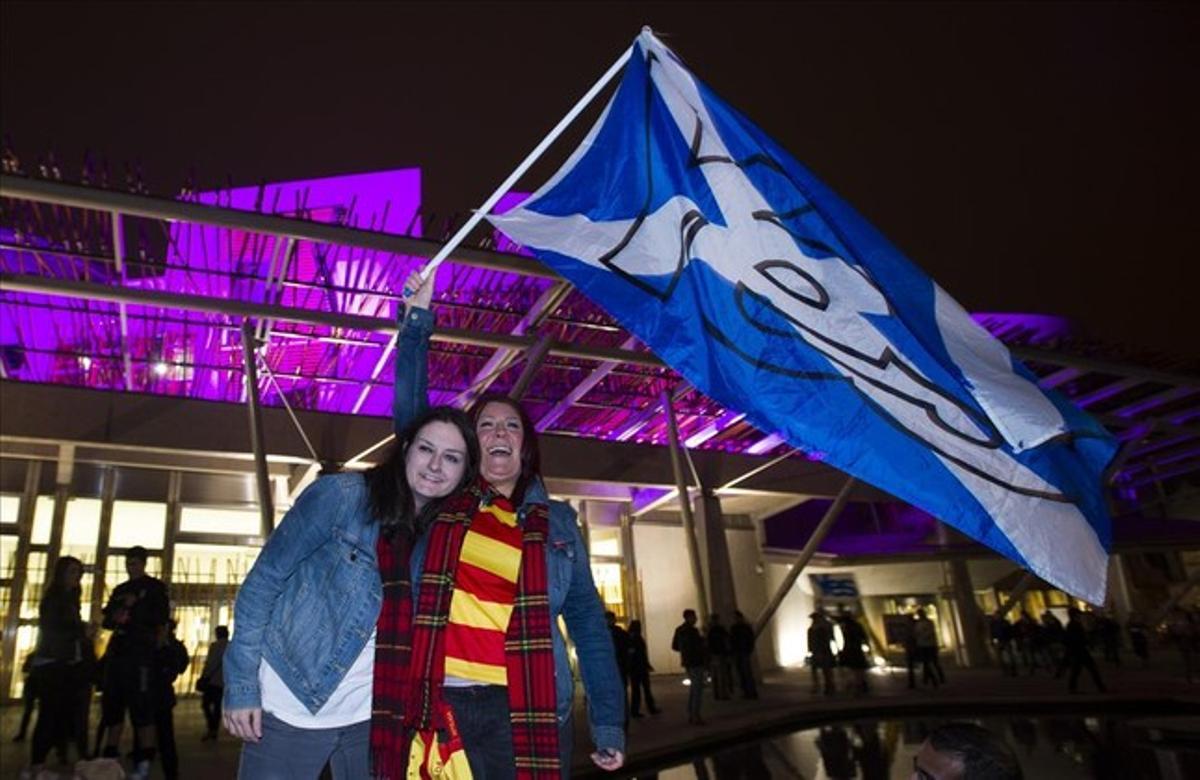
[(572, 590), (311, 600)]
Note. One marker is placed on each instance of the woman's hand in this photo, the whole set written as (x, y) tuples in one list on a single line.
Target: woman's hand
[(416, 292), (245, 724), (609, 760)]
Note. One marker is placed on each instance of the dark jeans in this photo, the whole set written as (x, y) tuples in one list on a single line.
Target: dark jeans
[(695, 675), (745, 673), (28, 699), (483, 723), (56, 710), (128, 683), (288, 753), (930, 666), (164, 723), (1077, 662), (210, 705), (639, 682)]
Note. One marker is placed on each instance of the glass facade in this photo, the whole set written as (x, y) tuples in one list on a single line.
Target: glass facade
[(204, 573)]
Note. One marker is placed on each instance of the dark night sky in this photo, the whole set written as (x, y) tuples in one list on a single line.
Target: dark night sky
[(1030, 157)]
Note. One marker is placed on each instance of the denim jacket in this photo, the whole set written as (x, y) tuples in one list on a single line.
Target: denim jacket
[(311, 600), (572, 590)]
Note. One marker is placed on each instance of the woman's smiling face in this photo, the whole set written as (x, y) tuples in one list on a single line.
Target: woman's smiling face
[(435, 461), (501, 437)]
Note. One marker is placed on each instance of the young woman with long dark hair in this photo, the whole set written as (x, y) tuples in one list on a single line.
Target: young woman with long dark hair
[(58, 661), (488, 673), (299, 672)]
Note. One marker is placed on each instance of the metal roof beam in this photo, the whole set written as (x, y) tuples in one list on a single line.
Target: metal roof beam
[(102, 292), (78, 196)]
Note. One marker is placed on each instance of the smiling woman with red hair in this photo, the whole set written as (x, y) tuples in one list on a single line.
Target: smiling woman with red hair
[(491, 577)]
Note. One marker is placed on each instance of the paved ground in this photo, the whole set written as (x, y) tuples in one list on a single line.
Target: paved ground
[(785, 705)]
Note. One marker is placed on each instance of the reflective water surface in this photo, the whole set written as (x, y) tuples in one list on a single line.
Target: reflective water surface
[(1053, 747)]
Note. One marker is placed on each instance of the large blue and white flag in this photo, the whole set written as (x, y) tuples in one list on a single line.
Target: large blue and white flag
[(771, 295)]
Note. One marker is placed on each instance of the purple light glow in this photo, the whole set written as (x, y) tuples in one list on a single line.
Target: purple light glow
[(174, 352)]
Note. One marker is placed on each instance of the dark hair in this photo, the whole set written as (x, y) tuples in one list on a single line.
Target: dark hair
[(222, 632), (137, 552), (531, 456), (390, 496), (984, 755), (635, 627), (687, 612), (56, 584)]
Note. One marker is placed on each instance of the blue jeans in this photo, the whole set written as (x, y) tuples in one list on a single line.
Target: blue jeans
[(286, 752), (482, 714)]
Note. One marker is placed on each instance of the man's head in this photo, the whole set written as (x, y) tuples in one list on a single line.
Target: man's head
[(610, 617), (223, 632), (135, 561), (965, 751), (689, 617)]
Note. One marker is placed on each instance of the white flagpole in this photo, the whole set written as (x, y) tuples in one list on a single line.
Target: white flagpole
[(525, 165), (483, 210)]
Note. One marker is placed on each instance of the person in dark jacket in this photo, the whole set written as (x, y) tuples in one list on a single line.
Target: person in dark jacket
[(820, 650), (56, 660), (622, 649), (639, 671), (28, 697), (692, 656), (719, 658), (1078, 657), (136, 612), (212, 684), (170, 660), (853, 657), (741, 640)]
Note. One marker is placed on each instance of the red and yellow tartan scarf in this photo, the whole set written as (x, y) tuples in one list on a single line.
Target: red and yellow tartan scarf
[(528, 648), (393, 649)]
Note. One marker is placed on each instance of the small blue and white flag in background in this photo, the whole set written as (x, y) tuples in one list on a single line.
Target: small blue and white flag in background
[(766, 291)]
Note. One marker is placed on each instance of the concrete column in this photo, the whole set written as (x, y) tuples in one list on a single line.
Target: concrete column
[(633, 600), (714, 556), (33, 477), (970, 619), (62, 495), (1120, 595), (108, 491), (174, 516)]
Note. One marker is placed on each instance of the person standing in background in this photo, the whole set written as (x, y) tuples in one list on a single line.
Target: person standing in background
[(690, 646), (718, 654), (136, 613), (56, 661), (170, 661), (639, 671), (741, 640), (211, 684), (622, 648)]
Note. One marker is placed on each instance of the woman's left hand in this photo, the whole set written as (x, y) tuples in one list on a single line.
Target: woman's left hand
[(608, 760)]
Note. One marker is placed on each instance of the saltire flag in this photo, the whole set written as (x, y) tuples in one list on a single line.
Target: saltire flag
[(766, 291)]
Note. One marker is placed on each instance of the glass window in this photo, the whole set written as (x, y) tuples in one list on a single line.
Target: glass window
[(138, 522), (605, 541), (35, 580), (10, 505), (212, 564), (8, 558), (608, 585), (214, 520), (26, 641), (81, 526), (43, 517)]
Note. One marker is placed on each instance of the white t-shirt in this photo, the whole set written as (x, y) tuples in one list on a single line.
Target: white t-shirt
[(349, 703)]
